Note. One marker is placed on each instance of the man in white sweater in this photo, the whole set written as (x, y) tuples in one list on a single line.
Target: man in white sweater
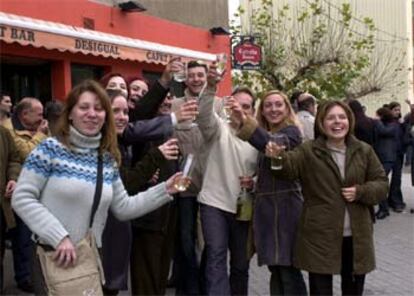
[(228, 159)]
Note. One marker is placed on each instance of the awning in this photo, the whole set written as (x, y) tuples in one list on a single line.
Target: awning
[(51, 35)]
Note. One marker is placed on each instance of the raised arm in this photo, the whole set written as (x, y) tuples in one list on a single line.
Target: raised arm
[(148, 130), (207, 120), (147, 107)]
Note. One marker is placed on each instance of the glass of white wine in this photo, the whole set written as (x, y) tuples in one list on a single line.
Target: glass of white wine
[(226, 109), (280, 140), (187, 166), (221, 60), (181, 75)]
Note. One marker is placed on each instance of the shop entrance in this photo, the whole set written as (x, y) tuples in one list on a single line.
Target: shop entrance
[(24, 77)]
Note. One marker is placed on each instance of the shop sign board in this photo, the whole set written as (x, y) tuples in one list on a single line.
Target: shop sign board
[(246, 54)]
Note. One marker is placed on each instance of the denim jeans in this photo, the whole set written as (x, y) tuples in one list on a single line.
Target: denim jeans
[(22, 249), (222, 232), (395, 197), (188, 281), (383, 205)]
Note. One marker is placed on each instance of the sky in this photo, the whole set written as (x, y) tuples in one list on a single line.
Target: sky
[(233, 5)]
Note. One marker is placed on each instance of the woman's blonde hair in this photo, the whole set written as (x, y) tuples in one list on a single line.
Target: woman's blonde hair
[(291, 118), (109, 141)]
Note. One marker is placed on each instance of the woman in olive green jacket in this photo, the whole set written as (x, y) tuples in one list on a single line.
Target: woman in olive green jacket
[(341, 180)]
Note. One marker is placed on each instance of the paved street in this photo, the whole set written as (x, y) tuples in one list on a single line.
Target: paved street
[(394, 242)]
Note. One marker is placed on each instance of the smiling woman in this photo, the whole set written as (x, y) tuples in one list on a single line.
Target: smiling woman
[(341, 179), (56, 187), (278, 202)]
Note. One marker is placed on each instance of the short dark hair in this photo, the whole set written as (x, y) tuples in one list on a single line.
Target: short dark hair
[(4, 94), (194, 64), (53, 110), (243, 89), (140, 78), (385, 114), (393, 104), (246, 90), (307, 102)]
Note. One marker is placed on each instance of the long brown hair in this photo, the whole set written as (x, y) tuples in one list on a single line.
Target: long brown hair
[(291, 118), (323, 110), (109, 138)]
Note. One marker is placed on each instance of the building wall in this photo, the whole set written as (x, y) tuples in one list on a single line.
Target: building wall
[(390, 17), (199, 13), (111, 20)]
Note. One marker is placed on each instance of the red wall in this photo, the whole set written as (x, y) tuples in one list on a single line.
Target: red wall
[(109, 20)]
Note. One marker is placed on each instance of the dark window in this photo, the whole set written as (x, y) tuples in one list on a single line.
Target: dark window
[(23, 77), (80, 72)]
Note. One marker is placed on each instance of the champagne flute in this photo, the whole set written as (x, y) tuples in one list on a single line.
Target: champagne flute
[(280, 140), (187, 166)]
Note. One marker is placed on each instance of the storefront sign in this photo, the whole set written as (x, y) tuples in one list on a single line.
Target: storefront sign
[(246, 54), (51, 41), (155, 56), (17, 34), (98, 47)]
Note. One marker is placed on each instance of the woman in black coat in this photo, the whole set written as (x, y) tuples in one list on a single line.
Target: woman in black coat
[(385, 145), (117, 237)]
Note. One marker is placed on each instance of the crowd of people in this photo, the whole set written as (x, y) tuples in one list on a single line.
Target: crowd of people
[(313, 211)]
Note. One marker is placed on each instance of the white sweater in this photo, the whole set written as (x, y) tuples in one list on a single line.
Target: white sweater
[(228, 158), (55, 191)]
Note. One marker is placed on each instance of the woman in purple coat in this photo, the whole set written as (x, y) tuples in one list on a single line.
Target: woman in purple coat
[(278, 203)]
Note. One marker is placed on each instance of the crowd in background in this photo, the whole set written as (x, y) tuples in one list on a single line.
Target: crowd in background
[(313, 212)]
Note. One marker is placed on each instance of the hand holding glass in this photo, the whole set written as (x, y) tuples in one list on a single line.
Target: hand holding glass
[(181, 75), (282, 141), (182, 182), (221, 63), (226, 109)]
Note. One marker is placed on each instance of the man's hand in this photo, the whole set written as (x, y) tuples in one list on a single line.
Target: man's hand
[(213, 77), (11, 185), (170, 149), (187, 111), (237, 114), (43, 127), (173, 66)]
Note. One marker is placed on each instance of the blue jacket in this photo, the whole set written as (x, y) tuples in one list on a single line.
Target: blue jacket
[(387, 141), (278, 203)]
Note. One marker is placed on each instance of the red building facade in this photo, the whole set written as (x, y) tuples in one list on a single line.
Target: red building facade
[(47, 45)]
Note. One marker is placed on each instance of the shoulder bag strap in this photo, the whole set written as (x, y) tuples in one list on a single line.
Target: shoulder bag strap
[(98, 189)]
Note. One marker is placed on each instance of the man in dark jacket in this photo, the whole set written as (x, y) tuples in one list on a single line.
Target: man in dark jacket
[(9, 171)]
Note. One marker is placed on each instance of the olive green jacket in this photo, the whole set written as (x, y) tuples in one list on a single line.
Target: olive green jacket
[(320, 232), (10, 169)]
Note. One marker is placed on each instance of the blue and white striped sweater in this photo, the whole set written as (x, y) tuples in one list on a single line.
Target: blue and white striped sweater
[(52, 159), (55, 190)]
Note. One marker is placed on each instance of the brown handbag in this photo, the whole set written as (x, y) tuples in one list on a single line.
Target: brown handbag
[(86, 277)]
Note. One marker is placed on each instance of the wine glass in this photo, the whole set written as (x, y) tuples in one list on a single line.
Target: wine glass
[(280, 140), (187, 166), (181, 75), (226, 109), (221, 59)]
